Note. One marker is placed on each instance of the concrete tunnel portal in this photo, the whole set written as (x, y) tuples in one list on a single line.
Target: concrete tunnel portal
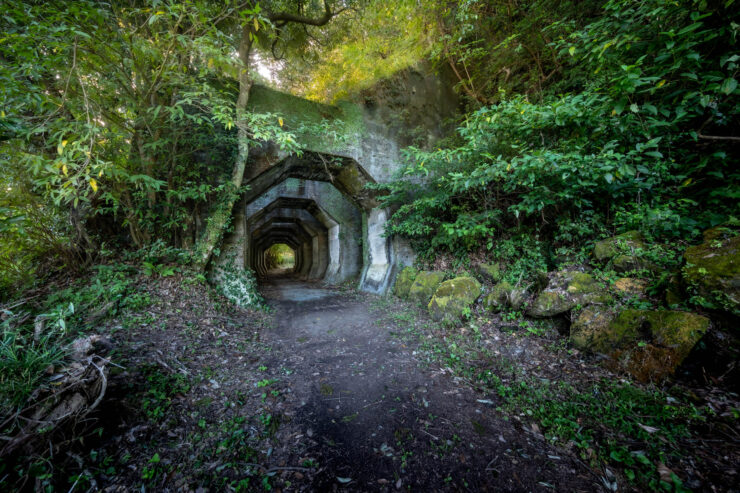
[(317, 201), (320, 207)]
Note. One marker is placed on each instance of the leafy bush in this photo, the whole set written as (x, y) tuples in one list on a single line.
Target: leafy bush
[(644, 143)]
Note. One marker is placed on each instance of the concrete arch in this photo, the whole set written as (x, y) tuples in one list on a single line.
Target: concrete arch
[(349, 178), (313, 234)]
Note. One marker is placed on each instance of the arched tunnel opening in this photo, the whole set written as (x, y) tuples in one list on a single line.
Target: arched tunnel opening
[(279, 259), (294, 212), (319, 206)]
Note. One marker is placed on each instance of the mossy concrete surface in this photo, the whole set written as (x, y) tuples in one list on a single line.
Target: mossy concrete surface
[(565, 291), (452, 297), (424, 286), (404, 281)]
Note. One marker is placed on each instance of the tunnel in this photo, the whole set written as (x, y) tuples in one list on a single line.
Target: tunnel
[(320, 207)]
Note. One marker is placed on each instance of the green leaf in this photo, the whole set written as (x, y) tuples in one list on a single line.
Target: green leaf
[(729, 86)]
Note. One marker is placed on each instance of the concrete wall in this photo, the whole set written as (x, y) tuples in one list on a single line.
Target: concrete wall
[(357, 143)]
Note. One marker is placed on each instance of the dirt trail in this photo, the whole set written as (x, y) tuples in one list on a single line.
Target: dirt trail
[(364, 407)]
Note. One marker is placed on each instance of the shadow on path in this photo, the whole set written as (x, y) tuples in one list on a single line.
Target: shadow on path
[(375, 419)]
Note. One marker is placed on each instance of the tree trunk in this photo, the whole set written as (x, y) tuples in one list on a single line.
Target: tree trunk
[(219, 220)]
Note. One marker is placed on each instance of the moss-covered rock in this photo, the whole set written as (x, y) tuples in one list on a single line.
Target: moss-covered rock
[(713, 269), (490, 272), (628, 263), (627, 242), (590, 330), (452, 297), (630, 287), (565, 291), (650, 344), (424, 286), (504, 295), (498, 298), (404, 280)]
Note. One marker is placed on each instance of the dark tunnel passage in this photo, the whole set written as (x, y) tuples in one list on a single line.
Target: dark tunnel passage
[(326, 246), (322, 208)]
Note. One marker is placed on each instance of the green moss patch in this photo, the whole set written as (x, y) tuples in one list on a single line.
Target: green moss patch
[(425, 285), (453, 297)]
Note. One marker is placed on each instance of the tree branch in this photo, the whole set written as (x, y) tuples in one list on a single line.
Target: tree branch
[(283, 18)]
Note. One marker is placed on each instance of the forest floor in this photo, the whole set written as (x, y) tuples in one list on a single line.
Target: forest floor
[(330, 390)]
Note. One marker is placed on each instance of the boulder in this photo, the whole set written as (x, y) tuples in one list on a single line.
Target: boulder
[(424, 286), (713, 269), (590, 330), (504, 295), (404, 280), (630, 287), (452, 297), (627, 242), (628, 263), (649, 344), (490, 272), (565, 291)]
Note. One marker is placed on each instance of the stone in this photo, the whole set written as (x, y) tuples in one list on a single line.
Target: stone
[(713, 269), (590, 330), (674, 293), (611, 247), (629, 263), (504, 295), (424, 286), (649, 344), (404, 280), (452, 297), (630, 287), (565, 291), (490, 272)]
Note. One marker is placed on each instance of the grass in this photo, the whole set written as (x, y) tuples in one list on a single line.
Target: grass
[(610, 422), (27, 358)]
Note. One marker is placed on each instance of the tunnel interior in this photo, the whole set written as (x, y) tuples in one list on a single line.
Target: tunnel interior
[(322, 208), (320, 224)]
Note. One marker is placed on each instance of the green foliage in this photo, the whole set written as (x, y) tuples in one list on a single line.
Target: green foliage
[(118, 123), (25, 353), (280, 256), (363, 47), (628, 150)]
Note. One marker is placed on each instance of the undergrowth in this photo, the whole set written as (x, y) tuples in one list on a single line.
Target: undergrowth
[(610, 422)]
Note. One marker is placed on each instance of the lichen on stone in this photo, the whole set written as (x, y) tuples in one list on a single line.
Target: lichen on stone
[(490, 272), (650, 344), (713, 270), (452, 297), (565, 291), (628, 243), (424, 286), (498, 298), (404, 280)]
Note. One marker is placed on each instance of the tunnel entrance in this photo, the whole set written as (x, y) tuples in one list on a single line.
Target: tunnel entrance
[(279, 259), (320, 207)]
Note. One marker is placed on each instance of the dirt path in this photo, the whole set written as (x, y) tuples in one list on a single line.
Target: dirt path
[(363, 407)]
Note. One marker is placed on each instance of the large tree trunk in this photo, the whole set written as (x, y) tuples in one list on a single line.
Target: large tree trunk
[(219, 220)]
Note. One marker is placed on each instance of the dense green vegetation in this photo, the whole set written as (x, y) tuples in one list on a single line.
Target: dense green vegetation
[(125, 134), (635, 132)]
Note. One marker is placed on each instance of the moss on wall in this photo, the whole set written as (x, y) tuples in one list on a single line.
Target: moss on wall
[(345, 122)]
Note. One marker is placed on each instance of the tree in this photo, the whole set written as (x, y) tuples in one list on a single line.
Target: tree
[(281, 18)]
